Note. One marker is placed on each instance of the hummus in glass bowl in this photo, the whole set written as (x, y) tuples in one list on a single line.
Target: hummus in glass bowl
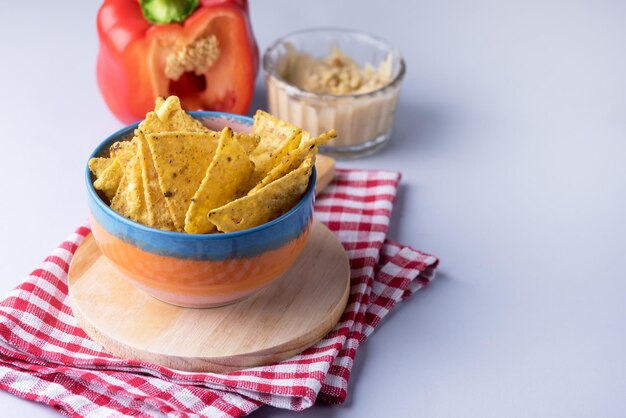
[(334, 78)]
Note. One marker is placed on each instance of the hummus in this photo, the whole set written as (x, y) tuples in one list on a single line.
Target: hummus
[(335, 74)]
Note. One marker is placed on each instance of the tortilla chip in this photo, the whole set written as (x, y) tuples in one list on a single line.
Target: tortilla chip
[(158, 102), (109, 180), (273, 131), (118, 203), (319, 140), (227, 178), (289, 163), (181, 160), (169, 116), (158, 211), (265, 204), (98, 165), (129, 200), (125, 152), (249, 142), (278, 137), (281, 164), (135, 202), (264, 162)]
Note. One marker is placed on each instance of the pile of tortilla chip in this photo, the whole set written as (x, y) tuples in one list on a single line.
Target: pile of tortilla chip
[(177, 175)]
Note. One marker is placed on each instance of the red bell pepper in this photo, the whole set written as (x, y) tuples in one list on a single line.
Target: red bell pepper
[(202, 51)]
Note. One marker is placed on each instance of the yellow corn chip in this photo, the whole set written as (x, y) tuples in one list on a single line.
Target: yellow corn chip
[(249, 142), (289, 163), (118, 203), (158, 212), (307, 141), (128, 200), (134, 200), (124, 151), (227, 178), (181, 160), (110, 173), (109, 179), (158, 102), (282, 164), (273, 131), (277, 139), (265, 161), (265, 204), (98, 165), (152, 124), (169, 116)]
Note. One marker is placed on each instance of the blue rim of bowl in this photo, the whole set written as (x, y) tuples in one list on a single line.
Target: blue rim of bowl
[(124, 132)]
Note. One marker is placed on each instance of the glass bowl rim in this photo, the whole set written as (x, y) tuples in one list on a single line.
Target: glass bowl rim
[(308, 94)]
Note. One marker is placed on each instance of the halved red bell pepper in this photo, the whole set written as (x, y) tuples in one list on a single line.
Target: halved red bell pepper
[(204, 52)]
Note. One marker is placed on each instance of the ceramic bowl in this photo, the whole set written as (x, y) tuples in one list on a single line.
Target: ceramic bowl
[(363, 121), (199, 270)]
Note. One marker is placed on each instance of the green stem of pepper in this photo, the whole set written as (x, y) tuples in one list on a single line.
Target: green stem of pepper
[(167, 11)]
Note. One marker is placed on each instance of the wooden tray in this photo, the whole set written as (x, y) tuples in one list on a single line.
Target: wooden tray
[(280, 321)]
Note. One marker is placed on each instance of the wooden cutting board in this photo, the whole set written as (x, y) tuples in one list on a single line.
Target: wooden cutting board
[(280, 321)]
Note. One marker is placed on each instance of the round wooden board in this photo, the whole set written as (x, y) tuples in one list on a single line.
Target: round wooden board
[(280, 321)]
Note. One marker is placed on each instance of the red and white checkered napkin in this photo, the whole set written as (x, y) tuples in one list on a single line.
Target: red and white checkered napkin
[(45, 357)]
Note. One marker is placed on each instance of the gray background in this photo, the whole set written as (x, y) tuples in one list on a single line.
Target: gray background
[(510, 137)]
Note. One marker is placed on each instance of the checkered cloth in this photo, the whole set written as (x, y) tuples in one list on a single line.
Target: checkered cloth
[(46, 357)]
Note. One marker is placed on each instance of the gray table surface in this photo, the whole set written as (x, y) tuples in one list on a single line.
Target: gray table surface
[(510, 135)]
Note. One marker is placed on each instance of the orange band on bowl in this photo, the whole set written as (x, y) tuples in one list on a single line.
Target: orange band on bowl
[(197, 277)]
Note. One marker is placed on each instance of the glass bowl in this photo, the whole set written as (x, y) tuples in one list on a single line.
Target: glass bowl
[(363, 121)]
